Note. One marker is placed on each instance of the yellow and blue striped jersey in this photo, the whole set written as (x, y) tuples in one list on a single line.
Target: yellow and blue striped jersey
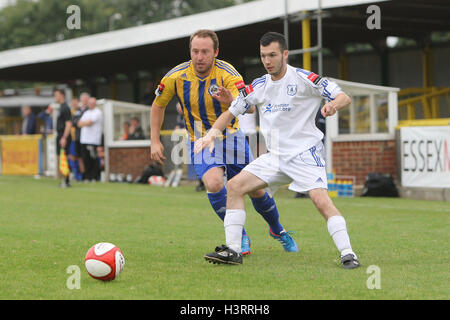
[(195, 94)]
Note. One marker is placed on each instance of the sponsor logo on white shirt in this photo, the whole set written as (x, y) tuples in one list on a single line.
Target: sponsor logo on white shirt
[(272, 108)]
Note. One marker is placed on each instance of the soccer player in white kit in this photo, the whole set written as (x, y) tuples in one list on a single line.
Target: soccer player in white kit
[(287, 99)]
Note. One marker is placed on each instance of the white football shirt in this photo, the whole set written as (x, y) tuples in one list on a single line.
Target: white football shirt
[(287, 109)]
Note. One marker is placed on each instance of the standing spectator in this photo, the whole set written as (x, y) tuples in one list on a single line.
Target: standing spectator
[(63, 127), (149, 95), (46, 116), (181, 124), (28, 122), (78, 112), (91, 124), (136, 132), (73, 157)]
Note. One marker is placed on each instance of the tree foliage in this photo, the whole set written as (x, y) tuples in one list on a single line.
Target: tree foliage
[(32, 22)]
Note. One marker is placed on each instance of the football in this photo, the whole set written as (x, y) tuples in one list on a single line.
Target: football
[(156, 180), (104, 261)]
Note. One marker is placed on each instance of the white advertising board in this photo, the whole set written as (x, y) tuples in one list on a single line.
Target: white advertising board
[(425, 156)]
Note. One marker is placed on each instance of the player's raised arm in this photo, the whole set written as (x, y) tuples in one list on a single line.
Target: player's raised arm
[(342, 100)]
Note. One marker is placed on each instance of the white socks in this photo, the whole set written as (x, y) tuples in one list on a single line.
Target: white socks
[(235, 219), (338, 232), (234, 223)]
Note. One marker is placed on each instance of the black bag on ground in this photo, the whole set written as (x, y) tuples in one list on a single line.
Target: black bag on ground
[(150, 170), (379, 185)]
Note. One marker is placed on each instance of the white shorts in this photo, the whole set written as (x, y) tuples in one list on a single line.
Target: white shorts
[(304, 172)]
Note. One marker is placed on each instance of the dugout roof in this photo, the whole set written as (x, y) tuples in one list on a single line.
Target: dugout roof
[(164, 44)]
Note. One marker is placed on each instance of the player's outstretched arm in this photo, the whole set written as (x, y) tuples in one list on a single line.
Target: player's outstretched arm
[(216, 130), (342, 100), (237, 106)]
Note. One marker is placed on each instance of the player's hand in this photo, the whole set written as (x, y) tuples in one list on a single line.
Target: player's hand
[(223, 95), (157, 152), (203, 143), (328, 109), (206, 141)]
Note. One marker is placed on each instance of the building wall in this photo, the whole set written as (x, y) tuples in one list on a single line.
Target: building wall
[(359, 158), (129, 160)]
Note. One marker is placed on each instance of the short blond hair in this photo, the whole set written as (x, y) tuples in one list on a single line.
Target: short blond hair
[(205, 33)]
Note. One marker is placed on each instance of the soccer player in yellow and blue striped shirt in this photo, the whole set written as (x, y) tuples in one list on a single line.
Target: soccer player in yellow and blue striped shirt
[(194, 82)]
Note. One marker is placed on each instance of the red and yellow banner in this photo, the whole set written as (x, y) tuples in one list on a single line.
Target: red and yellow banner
[(20, 154)]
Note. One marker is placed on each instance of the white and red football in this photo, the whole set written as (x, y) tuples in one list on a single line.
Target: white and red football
[(104, 261), (156, 180)]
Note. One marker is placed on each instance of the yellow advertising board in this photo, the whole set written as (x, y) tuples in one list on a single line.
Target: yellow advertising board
[(20, 154)]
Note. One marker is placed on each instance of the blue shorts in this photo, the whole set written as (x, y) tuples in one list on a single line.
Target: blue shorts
[(233, 154)]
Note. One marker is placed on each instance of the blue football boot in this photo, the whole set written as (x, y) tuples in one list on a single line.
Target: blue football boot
[(286, 240), (245, 245)]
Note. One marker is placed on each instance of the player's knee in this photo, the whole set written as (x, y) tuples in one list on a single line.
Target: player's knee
[(320, 200), (257, 193), (213, 185), (234, 187)]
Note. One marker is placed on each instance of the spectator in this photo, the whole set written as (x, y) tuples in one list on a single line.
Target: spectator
[(91, 124), (136, 132), (73, 108), (149, 94), (101, 158), (84, 99), (46, 116), (126, 130), (78, 113), (73, 157), (180, 118), (63, 127), (28, 122)]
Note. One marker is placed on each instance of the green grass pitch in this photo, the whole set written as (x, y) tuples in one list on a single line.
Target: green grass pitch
[(164, 233)]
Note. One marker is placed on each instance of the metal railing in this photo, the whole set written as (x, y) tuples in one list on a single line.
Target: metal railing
[(428, 102)]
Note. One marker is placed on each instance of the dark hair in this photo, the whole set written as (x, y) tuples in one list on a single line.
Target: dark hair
[(60, 91), (204, 33), (270, 37)]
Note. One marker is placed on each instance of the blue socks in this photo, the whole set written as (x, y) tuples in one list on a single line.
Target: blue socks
[(266, 207), (218, 201)]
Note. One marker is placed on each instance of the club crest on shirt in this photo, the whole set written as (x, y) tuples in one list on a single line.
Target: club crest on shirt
[(291, 89), (213, 89)]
